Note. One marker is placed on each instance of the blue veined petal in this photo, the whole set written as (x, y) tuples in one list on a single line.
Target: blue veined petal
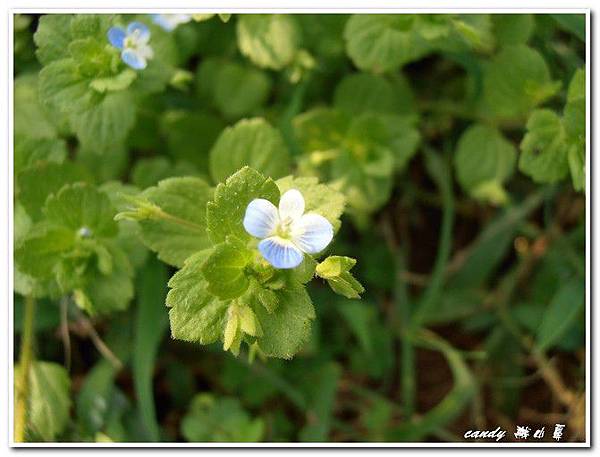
[(133, 59), (280, 253), (116, 37), (312, 233), (291, 205), (261, 218), (163, 21), (141, 30)]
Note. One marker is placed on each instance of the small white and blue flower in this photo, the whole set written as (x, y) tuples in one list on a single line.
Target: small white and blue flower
[(286, 233), (133, 43), (170, 22)]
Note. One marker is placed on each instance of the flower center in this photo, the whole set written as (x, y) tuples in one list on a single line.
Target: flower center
[(132, 41), (284, 228)]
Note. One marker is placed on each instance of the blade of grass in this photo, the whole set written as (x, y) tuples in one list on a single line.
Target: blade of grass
[(150, 325), (439, 169)]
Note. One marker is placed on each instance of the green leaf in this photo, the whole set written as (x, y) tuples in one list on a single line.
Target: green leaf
[(150, 171), (512, 29), (574, 121), (63, 89), (178, 229), (319, 198), (30, 152), (219, 420), (49, 399), (107, 293), (114, 83), (225, 214), (106, 124), (384, 42), (364, 92), (287, 329), (252, 143), (236, 90), (544, 150), (573, 23), (268, 40), (517, 80), (195, 316), (322, 388), (52, 37), (81, 206), (190, 135), (30, 119), (224, 269), (41, 250), (483, 157), (38, 182), (150, 325), (561, 314), (336, 271)]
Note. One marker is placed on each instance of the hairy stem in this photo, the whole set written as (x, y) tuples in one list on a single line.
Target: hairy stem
[(22, 383)]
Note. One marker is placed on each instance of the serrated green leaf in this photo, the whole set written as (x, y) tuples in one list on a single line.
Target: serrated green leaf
[(195, 315), (383, 42), (49, 399), (40, 251), (52, 37), (252, 143), (268, 40), (30, 152), (220, 420), (224, 269), (63, 89), (81, 206), (544, 150), (180, 230), (516, 81), (107, 293), (106, 124), (38, 182), (288, 327), (483, 158), (225, 214), (336, 271)]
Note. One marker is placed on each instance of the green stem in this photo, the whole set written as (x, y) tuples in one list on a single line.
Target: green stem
[(439, 169), (22, 383), (408, 373)]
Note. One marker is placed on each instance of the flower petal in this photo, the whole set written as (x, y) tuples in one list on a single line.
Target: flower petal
[(280, 253), (133, 59), (291, 205), (261, 218), (164, 21), (141, 31), (312, 233), (116, 37)]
